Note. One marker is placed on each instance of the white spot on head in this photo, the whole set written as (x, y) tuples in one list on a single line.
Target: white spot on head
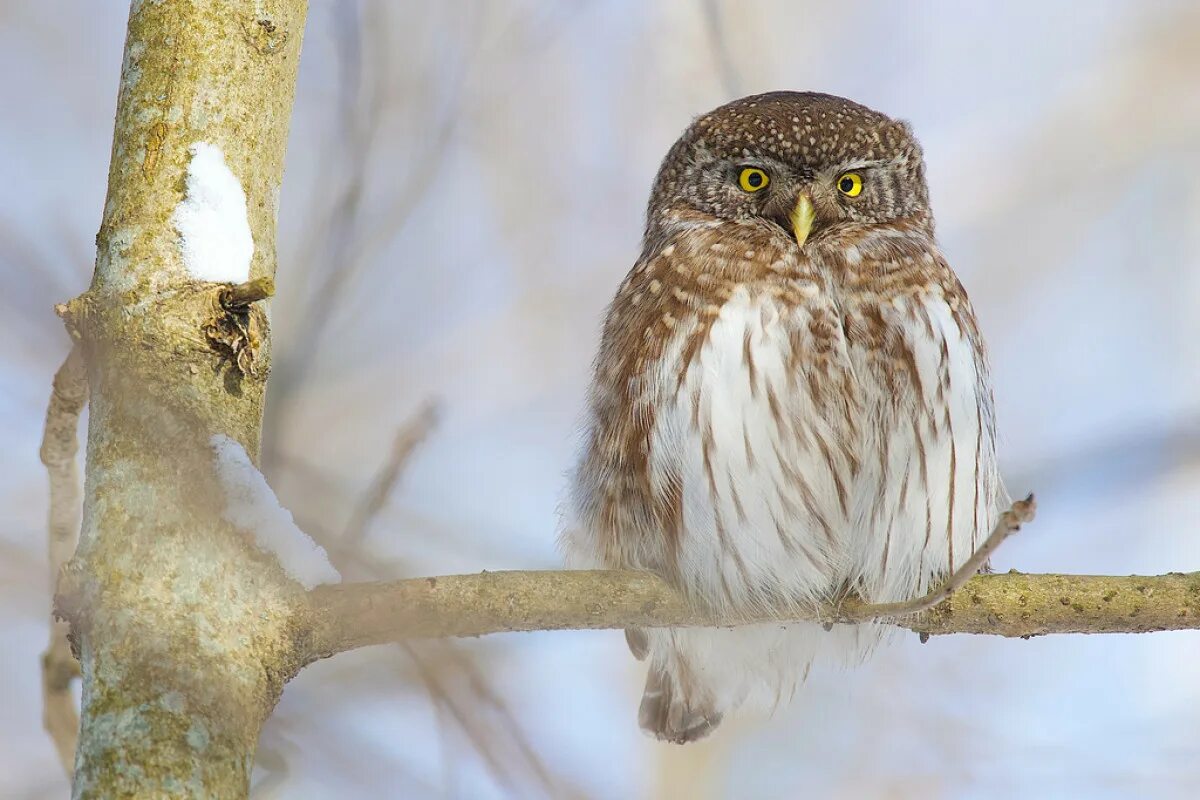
[(213, 223)]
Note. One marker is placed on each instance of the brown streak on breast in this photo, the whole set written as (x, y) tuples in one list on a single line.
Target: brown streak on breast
[(928, 527), (806, 494), (773, 405), (909, 359), (735, 496), (733, 552), (887, 543), (748, 361), (978, 467), (923, 466), (839, 484), (950, 511), (881, 489), (692, 348), (751, 463)]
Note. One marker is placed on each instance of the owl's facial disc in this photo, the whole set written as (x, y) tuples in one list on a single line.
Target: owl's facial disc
[(801, 217)]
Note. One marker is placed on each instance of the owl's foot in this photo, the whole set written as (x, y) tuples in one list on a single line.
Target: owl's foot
[(669, 715)]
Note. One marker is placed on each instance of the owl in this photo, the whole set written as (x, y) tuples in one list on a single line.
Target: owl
[(790, 404)]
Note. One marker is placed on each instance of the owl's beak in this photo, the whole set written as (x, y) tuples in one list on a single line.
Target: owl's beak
[(802, 217)]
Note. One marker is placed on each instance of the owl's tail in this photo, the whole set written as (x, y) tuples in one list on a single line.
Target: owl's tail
[(671, 713), (697, 675)]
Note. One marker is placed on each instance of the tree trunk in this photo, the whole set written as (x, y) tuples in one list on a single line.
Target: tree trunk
[(183, 629)]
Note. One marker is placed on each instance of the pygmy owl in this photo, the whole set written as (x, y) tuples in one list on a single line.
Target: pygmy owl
[(791, 400)]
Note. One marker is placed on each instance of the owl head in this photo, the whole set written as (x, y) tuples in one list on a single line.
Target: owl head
[(808, 163)]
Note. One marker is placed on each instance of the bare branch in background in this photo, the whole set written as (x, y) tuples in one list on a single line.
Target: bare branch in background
[(454, 681), (407, 439), (42, 275), (731, 81), (349, 239), (60, 444)]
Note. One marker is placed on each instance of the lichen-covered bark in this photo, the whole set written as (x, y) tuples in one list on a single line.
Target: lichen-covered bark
[(183, 629), (1011, 604)]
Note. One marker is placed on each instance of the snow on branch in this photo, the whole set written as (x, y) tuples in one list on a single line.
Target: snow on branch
[(251, 506)]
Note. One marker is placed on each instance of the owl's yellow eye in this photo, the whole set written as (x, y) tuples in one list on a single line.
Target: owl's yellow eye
[(850, 184), (752, 179)]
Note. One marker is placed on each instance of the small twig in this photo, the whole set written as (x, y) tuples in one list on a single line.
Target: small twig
[(464, 711), (60, 443), (730, 80), (1010, 522), (237, 297), (408, 438), (513, 732)]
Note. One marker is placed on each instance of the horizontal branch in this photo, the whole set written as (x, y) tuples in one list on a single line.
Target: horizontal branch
[(347, 616)]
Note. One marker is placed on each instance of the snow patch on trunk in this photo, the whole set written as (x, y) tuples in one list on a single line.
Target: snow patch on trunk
[(251, 506), (212, 220)]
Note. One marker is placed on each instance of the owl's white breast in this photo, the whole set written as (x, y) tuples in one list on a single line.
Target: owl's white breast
[(762, 435), (801, 465)]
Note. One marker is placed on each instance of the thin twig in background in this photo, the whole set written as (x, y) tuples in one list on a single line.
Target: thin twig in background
[(409, 436), (465, 720), (731, 81), (483, 689), (347, 242), (463, 710), (60, 443), (437, 662)]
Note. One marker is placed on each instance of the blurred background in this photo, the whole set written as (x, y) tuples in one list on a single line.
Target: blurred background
[(465, 189)]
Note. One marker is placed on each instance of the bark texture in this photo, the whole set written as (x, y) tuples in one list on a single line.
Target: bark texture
[(182, 628), (1011, 604)]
